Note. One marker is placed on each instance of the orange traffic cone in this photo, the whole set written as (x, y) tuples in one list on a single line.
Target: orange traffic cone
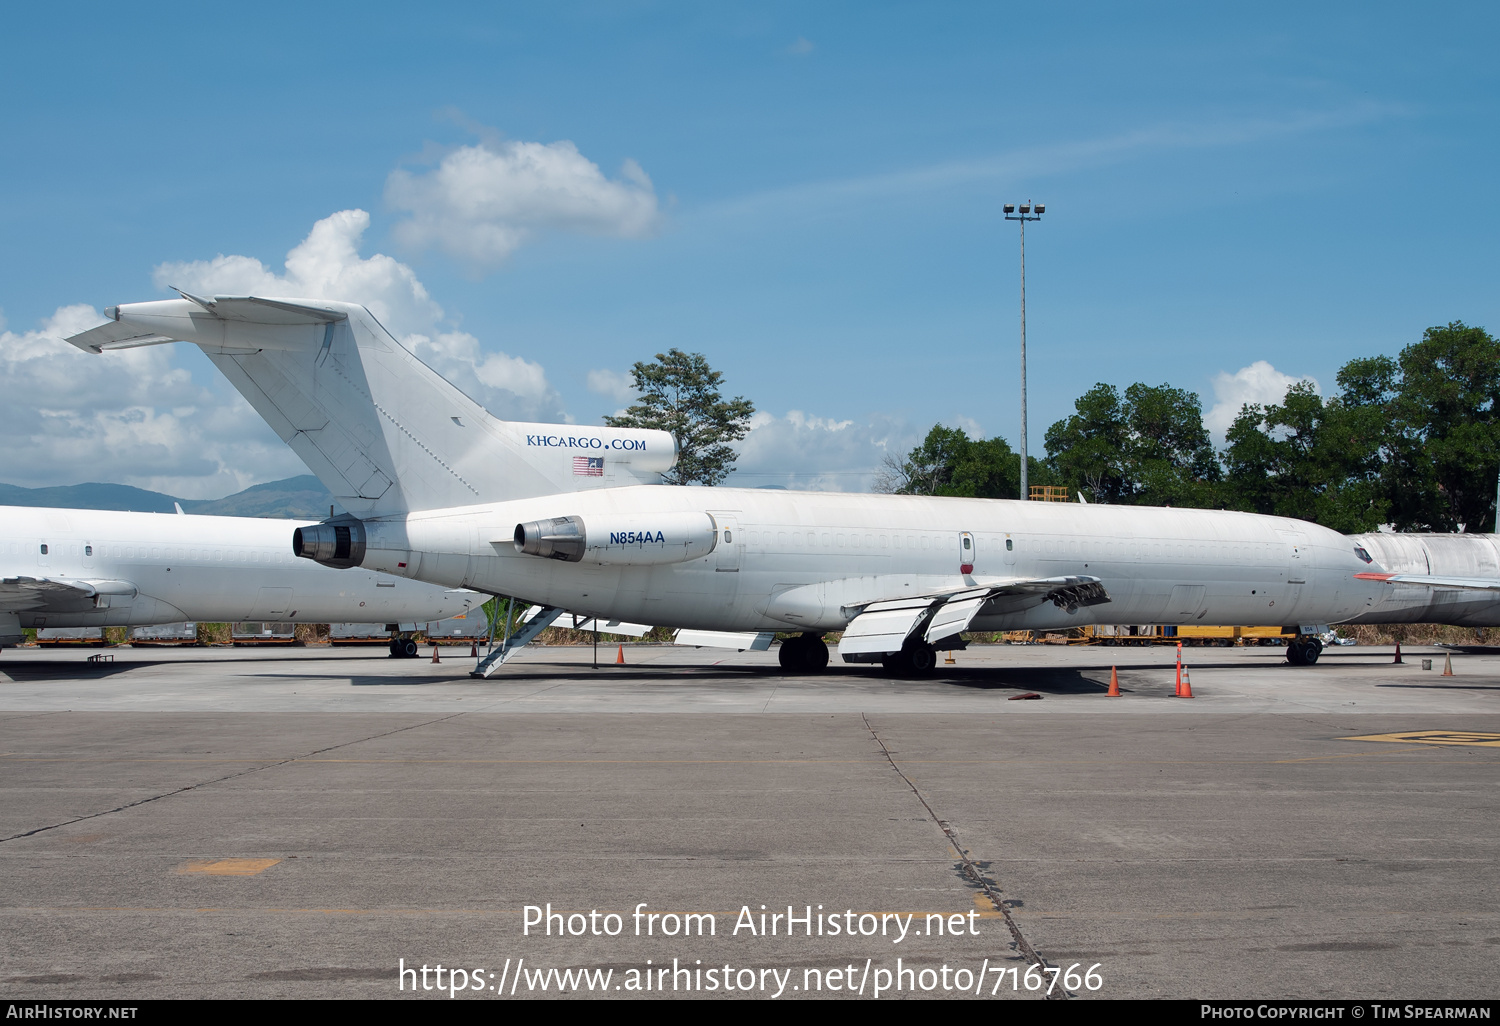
[(1447, 665), (1114, 684), (1187, 685), (1398, 653), (620, 656), (434, 653), (474, 649)]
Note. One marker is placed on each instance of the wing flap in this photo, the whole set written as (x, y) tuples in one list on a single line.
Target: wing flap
[(953, 617), (62, 593), (741, 641), (881, 631)]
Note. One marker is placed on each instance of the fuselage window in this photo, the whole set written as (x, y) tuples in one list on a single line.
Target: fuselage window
[(1009, 545), (88, 550), (44, 549)]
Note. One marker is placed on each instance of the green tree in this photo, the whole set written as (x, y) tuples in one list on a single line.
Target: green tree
[(1444, 448), (949, 462), (1312, 459), (1148, 447), (680, 393)]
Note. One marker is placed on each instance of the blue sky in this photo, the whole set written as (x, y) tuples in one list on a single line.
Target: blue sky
[(1235, 198)]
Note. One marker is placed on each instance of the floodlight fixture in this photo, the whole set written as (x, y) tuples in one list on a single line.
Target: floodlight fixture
[(1023, 216)]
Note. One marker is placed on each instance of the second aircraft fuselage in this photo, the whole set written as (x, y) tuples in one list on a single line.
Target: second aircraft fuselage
[(788, 560)]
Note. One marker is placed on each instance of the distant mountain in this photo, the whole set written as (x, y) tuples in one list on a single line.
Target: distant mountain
[(88, 496), (301, 497)]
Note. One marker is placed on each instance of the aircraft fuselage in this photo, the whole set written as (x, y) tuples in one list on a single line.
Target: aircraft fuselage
[(788, 560)]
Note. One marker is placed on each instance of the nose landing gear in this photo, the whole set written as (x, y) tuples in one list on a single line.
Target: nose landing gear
[(1304, 651)]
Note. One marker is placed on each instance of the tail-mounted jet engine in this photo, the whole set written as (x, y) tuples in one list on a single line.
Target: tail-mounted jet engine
[(339, 543), (644, 539)]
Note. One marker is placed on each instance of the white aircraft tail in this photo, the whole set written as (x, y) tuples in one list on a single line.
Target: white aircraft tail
[(385, 432)]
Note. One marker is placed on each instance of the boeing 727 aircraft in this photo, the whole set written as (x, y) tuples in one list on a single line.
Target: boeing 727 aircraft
[(97, 568), (441, 491)]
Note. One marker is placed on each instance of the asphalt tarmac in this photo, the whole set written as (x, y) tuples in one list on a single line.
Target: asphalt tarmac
[(308, 822)]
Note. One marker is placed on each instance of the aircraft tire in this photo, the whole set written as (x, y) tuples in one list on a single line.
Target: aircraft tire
[(1311, 651), (395, 647), (921, 660), (409, 648), (791, 654), (816, 653)]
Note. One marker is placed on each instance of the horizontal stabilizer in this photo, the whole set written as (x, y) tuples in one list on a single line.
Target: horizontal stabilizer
[(1431, 581), (111, 336)]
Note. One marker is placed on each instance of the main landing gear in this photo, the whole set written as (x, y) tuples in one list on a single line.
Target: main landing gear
[(916, 659), (1304, 651), (403, 648), (806, 653)]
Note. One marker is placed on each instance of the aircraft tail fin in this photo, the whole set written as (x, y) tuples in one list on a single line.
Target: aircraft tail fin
[(385, 432)]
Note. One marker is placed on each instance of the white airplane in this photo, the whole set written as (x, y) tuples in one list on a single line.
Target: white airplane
[(1434, 578), (100, 568), (440, 491)]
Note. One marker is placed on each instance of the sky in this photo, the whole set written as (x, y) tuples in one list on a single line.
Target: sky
[(535, 197)]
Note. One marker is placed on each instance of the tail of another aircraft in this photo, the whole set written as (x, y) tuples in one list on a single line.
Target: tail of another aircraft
[(385, 432)]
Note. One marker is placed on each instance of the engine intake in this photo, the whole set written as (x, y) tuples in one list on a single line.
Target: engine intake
[(339, 543)]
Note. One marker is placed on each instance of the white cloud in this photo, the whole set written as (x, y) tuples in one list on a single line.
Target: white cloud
[(327, 265), (142, 417), (131, 417), (482, 202), (802, 451), (616, 385), (1258, 383), (509, 387)]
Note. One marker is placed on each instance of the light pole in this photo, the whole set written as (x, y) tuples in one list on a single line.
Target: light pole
[(1026, 214)]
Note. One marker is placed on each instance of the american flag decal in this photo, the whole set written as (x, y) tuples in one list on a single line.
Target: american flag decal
[(588, 466)]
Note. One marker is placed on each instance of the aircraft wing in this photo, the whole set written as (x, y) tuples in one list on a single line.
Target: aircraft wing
[(68, 594), (881, 628), (1431, 581)]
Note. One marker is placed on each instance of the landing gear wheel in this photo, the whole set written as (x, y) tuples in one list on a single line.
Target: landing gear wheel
[(922, 659), (1304, 653), (912, 661), (817, 653), (409, 648), (805, 653), (395, 647)]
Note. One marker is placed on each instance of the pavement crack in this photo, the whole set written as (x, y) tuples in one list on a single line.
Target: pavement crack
[(971, 868), (220, 780)]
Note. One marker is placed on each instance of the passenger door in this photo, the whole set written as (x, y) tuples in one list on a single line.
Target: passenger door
[(727, 550)]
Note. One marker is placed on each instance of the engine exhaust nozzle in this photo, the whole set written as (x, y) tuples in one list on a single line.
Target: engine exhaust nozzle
[(554, 538), (339, 543)]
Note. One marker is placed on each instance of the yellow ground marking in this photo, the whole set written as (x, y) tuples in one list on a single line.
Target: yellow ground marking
[(987, 909), (228, 867), (1468, 738)]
